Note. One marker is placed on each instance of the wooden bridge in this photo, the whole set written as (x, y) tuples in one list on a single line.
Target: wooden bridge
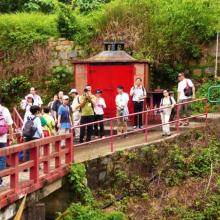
[(50, 162)]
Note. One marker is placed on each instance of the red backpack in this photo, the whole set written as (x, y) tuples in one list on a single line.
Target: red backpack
[(3, 124)]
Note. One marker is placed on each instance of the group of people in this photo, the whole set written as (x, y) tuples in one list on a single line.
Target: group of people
[(59, 116)]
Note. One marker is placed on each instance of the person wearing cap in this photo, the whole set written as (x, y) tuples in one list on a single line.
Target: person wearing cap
[(87, 102), (26, 105), (64, 119), (76, 111), (99, 114), (122, 100), (185, 93)]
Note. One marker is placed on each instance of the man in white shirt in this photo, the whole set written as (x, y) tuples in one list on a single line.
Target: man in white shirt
[(76, 111), (122, 100), (6, 117), (138, 94), (186, 92), (37, 98)]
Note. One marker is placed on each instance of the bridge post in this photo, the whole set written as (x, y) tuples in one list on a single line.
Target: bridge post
[(69, 146), (14, 179), (111, 138), (206, 111), (58, 158), (46, 154), (177, 118), (146, 126), (34, 171)]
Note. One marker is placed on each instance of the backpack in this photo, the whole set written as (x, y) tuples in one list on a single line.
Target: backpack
[(161, 102), (143, 89), (3, 124), (29, 129), (188, 90)]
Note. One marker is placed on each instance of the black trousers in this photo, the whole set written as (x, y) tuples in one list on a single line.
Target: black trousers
[(99, 132), (138, 107), (89, 128)]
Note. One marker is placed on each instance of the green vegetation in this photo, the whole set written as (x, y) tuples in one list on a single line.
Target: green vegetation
[(17, 87), (202, 92), (77, 179), (58, 80), (87, 207), (23, 30), (78, 212), (168, 34)]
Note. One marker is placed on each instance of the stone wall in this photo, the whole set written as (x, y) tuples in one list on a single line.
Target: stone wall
[(61, 52), (206, 65)]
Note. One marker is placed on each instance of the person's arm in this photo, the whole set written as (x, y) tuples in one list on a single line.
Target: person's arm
[(54, 109), (178, 93), (40, 102), (194, 92), (132, 91), (9, 122), (145, 93), (71, 123), (59, 117), (39, 127), (92, 99), (58, 121), (173, 101), (104, 104)]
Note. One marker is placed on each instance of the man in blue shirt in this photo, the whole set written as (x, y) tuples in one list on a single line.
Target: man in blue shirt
[(64, 119)]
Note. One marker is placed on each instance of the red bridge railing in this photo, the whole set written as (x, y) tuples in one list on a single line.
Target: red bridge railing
[(112, 122), (49, 161), (18, 121)]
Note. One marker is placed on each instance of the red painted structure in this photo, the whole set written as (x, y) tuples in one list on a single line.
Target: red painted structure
[(44, 151), (109, 69)]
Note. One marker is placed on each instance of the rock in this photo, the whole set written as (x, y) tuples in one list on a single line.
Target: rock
[(63, 55), (102, 176), (105, 161)]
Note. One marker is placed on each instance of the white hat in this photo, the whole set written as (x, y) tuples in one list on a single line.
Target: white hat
[(73, 91), (65, 97), (29, 96)]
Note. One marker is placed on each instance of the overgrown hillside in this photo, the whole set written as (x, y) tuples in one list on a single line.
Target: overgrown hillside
[(177, 179), (171, 35)]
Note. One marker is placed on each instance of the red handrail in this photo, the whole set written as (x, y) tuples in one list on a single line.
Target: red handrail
[(63, 157), (37, 180), (18, 121), (146, 127)]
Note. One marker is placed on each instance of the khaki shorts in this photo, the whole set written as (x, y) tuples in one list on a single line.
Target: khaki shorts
[(185, 109)]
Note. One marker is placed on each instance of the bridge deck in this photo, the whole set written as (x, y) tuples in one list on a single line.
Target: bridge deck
[(94, 150)]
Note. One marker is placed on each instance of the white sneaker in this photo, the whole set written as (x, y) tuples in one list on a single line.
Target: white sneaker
[(135, 127)]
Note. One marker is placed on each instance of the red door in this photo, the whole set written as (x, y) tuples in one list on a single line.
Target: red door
[(107, 78)]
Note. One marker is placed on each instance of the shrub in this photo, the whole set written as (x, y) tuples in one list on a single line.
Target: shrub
[(59, 80), (14, 89), (22, 30), (86, 6), (79, 212), (45, 6), (78, 181), (202, 92)]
